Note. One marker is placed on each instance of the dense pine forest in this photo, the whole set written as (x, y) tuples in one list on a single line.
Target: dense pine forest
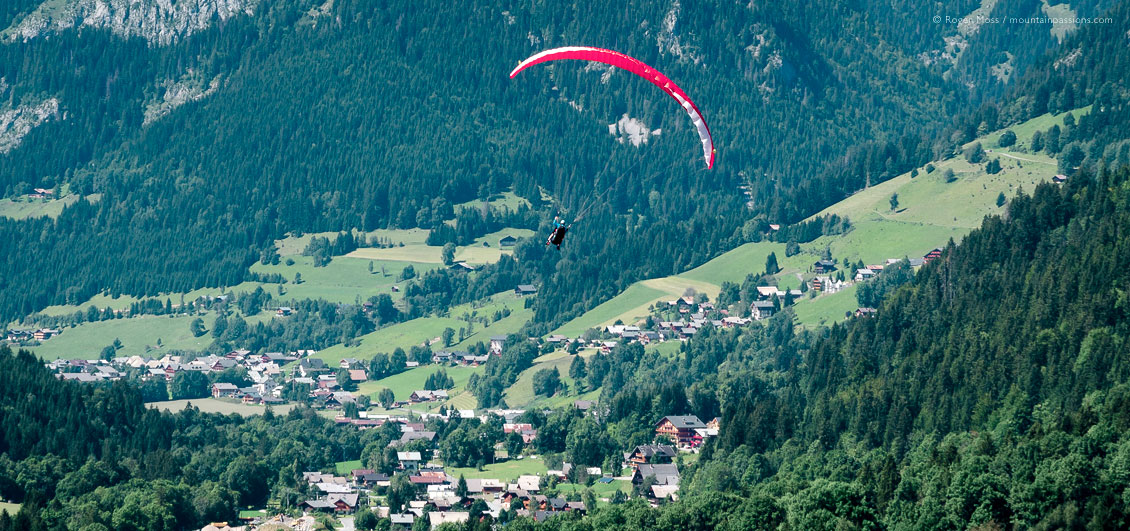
[(894, 421), (378, 106), (990, 390)]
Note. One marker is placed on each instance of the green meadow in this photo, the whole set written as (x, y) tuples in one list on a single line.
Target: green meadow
[(138, 336), (507, 471), (405, 383)]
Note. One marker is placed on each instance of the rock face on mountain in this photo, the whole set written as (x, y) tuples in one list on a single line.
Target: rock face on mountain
[(158, 21), (16, 122)]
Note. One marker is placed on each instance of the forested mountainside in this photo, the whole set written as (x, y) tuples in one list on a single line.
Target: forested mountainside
[(383, 114), (989, 391)]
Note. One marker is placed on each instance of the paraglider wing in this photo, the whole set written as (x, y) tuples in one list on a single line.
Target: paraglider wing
[(635, 66)]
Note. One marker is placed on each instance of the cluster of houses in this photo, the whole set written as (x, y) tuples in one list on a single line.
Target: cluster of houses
[(693, 317), (21, 336), (824, 282), (263, 370), (650, 468), (41, 193)]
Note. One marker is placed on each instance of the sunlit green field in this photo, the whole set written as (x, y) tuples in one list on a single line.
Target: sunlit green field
[(138, 336), (212, 405), (405, 383), (507, 471)]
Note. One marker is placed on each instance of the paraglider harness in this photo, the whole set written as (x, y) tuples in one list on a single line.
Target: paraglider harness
[(558, 235)]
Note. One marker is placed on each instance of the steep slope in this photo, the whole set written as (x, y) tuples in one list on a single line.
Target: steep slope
[(378, 111), (931, 212)]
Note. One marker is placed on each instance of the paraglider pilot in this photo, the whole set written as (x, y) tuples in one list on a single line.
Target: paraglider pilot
[(558, 234)]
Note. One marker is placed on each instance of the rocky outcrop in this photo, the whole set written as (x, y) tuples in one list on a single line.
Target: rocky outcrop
[(173, 94), (158, 21), (16, 123)]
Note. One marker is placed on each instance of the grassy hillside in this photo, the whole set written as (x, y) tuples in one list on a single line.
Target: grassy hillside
[(521, 394), (404, 383), (400, 335), (212, 405), (23, 208), (930, 212), (138, 337), (505, 471), (418, 251), (505, 200), (294, 245)]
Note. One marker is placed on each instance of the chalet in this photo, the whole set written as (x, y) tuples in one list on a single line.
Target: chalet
[(1060, 178), (767, 292), (222, 390), (428, 478), (471, 360), (556, 339), (44, 334), (411, 364), (930, 256), (327, 381), (649, 453), (762, 310), (442, 356), (336, 486), (107, 373), (42, 193), (823, 267), (438, 518), (917, 262), (525, 289), (276, 358), (866, 312), (83, 377), (827, 285), (511, 427), (679, 429), (310, 366), (461, 266), (318, 477), (19, 335), (349, 363), (662, 474), (507, 241), (662, 492), (410, 436), (360, 474), (481, 486), (583, 405), (408, 460), (402, 519), (496, 343), (735, 321), (338, 503), (364, 424), (529, 483), (284, 311), (864, 274), (318, 505), (344, 397), (358, 375)]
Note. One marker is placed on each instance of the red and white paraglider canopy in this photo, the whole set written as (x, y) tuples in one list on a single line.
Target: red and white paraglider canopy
[(637, 67)]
